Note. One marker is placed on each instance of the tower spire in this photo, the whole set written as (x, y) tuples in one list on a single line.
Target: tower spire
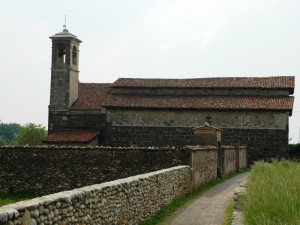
[(65, 25)]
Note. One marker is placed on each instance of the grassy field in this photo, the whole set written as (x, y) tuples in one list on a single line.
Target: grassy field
[(273, 194), (11, 198)]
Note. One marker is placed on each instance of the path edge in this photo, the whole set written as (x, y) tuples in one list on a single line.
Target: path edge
[(237, 215)]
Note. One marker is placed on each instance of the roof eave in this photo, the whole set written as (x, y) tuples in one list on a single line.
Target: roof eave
[(108, 107)]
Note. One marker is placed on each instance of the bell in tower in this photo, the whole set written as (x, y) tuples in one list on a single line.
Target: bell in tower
[(64, 70)]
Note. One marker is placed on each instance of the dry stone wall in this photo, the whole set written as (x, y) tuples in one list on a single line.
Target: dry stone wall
[(124, 201), (49, 169)]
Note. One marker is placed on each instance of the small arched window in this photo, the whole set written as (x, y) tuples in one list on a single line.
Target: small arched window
[(74, 55)]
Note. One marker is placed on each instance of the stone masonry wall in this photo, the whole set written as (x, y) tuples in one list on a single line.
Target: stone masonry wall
[(177, 118), (44, 170), (204, 164), (261, 143), (88, 120), (149, 136), (125, 201), (265, 134)]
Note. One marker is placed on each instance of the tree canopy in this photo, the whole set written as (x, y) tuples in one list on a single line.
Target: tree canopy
[(16, 134), (31, 134), (9, 133)]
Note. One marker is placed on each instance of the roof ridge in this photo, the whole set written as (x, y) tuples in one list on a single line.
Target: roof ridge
[(275, 82), (229, 77), (96, 83)]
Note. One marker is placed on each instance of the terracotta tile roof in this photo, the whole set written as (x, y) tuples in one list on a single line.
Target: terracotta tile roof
[(201, 102), (91, 96), (285, 82), (71, 136)]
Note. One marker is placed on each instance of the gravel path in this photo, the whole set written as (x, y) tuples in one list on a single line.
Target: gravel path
[(209, 208)]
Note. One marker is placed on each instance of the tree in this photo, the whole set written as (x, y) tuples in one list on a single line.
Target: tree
[(31, 134), (8, 133), (294, 150)]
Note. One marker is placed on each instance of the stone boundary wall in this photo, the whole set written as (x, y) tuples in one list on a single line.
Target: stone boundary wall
[(204, 164), (124, 201), (49, 169)]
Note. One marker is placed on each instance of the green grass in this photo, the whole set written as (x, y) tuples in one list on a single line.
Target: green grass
[(273, 194), (14, 197), (168, 210), (228, 214)]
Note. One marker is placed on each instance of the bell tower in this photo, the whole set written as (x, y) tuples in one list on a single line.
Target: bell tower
[(64, 70)]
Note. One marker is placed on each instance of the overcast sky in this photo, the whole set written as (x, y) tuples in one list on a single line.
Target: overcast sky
[(145, 38)]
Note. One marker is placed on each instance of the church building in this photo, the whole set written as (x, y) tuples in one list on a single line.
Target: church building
[(251, 111)]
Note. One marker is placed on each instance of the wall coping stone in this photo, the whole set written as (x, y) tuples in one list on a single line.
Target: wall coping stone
[(109, 148), (103, 148), (200, 148), (231, 146)]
